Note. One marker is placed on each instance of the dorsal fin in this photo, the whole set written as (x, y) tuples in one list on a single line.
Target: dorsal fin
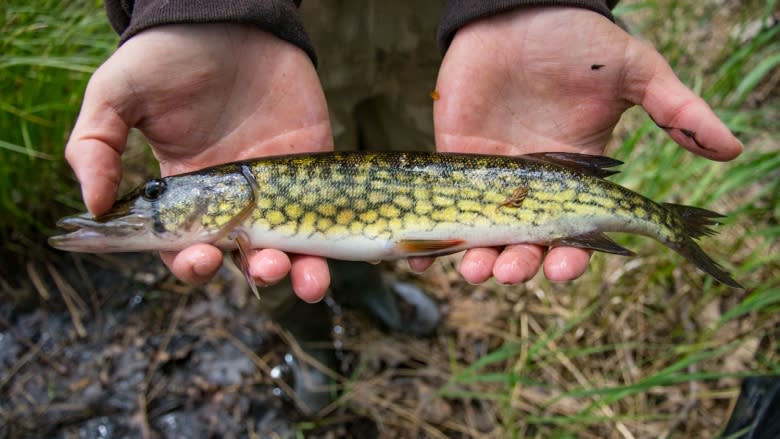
[(594, 165)]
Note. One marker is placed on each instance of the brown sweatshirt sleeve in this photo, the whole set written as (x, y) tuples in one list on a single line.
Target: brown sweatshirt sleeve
[(279, 17), (458, 13)]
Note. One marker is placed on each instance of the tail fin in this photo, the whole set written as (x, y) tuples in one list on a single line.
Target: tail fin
[(696, 222)]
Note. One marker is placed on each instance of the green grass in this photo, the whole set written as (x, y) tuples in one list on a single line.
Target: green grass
[(48, 49), (648, 345), (687, 339)]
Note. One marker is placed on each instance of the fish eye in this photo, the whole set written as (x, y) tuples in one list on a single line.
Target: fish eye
[(153, 189)]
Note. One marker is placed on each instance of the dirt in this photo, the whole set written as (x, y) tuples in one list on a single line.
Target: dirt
[(147, 363)]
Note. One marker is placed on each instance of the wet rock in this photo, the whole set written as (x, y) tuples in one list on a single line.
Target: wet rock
[(10, 350), (419, 313), (129, 371), (271, 422), (98, 428), (179, 425), (226, 367)]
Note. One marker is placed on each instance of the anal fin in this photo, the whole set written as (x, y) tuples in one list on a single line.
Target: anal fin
[(428, 246), (593, 241)]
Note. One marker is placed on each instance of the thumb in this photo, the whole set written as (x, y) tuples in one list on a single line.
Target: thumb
[(674, 107), (96, 145)]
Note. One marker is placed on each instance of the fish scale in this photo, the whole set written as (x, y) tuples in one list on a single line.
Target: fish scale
[(383, 206), (424, 190)]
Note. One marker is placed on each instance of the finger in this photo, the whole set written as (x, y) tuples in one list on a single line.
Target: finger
[(310, 277), (674, 107), (565, 263), (195, 264), (518, 263), (477, 264), (420, 263), (269, 266), (95, 146)]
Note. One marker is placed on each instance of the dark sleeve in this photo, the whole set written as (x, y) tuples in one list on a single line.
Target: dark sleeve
[(279, 17), (458, 13)]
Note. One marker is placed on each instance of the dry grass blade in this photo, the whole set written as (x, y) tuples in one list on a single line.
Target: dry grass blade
[(73, 301), (19, 364), (89, 285), (35, 277), (57, 367)]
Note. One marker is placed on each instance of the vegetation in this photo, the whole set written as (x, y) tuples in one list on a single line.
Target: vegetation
[(645, 347), (642, 347), (48, 49)]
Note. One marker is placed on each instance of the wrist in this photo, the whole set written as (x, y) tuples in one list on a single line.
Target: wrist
[(278, 17), (458, 14)]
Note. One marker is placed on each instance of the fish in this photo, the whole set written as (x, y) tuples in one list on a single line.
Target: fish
[(376, 206)]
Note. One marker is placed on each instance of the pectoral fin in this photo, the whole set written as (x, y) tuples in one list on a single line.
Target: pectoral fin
[(428, 246), (593, 241), (241, 259)]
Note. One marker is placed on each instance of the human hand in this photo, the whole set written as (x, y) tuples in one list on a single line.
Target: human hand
[(203, 95), (556, 79)]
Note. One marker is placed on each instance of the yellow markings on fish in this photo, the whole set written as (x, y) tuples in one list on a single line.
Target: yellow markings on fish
[(293, 210), (308, 222), (441, 201), (587, 198), (425, 222), (223, 219), (376, 228), (309, 199), (395, 224), (345, 217), (566, 195), (376, 197), (288, 229), (470, 206), (404, 202), (449, 214), (383, 174), (608, 203), (494, 198), (470, 193), (448, 191), (295, 191), (388, 211), (369, 216), (423, 207), (614, 194), (378, 184), (421, 194), (336, 230), (327, 210), (323, 224), (356, 227), (275, 217)]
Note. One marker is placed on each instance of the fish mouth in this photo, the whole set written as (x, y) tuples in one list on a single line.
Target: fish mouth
[(99, 234)]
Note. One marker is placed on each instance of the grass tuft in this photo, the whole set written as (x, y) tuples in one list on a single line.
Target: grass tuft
[(48, 49)]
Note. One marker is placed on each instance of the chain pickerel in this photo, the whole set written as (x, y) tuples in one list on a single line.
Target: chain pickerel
[(384, 206)]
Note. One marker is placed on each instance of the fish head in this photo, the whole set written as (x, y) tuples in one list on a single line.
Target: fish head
[(168, 213)]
